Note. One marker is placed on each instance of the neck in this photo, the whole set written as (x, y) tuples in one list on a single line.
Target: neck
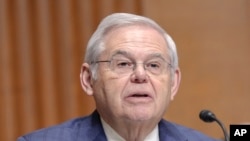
[(132, 130)]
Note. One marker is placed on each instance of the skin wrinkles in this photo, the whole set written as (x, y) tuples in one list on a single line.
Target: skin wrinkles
[(129, 46), (132, 117)]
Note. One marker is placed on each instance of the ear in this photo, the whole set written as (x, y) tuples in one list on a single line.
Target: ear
[(86, 79), (176, 79)]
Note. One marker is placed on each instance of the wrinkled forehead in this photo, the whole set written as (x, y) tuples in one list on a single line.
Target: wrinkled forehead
[(133, 37), (113, 28)]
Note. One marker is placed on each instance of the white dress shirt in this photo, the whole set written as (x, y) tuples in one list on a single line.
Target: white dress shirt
[(112, 135)]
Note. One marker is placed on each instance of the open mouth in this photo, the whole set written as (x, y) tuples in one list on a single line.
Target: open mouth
[(140, 95), (139, 98)]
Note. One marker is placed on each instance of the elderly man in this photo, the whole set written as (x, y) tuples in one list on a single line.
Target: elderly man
[(131, 70)]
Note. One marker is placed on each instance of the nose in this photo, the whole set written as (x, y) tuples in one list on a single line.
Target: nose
[(139, 74)]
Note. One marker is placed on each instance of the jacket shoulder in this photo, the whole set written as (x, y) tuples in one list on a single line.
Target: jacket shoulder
[(72, 130), (175, 132)]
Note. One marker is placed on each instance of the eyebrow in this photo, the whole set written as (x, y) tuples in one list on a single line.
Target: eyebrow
[(129, 55), (122, 52), (157, 55)]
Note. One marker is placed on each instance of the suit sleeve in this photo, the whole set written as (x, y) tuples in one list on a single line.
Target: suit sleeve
[(21, 139)]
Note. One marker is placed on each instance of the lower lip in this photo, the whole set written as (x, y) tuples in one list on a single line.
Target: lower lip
[(136, 100)]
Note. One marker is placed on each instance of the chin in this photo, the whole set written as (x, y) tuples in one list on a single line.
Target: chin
[(140, 115)]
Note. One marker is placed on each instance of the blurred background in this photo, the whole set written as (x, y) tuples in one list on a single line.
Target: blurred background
[(42, 45)]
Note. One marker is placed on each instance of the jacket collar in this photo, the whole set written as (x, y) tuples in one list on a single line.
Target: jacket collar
[(167, 131), (96, 129)]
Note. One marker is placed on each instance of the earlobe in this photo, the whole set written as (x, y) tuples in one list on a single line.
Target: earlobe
[(86, 79), (175, 83)]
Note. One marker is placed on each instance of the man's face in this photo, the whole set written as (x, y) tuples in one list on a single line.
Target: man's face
[(136, 95)]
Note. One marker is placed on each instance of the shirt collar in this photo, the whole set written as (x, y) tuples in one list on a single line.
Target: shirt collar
[(112, 135)]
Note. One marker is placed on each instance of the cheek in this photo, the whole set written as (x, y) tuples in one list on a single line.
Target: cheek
[(163, 90), (108, 96), (109, 88)]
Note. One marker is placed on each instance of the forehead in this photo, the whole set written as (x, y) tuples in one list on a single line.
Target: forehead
[(135, 38)]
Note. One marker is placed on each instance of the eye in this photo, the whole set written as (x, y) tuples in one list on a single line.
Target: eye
[(123, 64), (153, 65)]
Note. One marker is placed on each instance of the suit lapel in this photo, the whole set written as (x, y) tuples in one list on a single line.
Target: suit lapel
[(168, 132), (95, 129)]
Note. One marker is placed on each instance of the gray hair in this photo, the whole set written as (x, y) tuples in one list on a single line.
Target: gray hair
[(96, 45)]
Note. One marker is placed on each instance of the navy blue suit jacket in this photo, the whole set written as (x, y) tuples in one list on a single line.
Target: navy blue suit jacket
[(90, 129)]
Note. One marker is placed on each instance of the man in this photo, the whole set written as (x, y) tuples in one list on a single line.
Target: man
[(131, 70)]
